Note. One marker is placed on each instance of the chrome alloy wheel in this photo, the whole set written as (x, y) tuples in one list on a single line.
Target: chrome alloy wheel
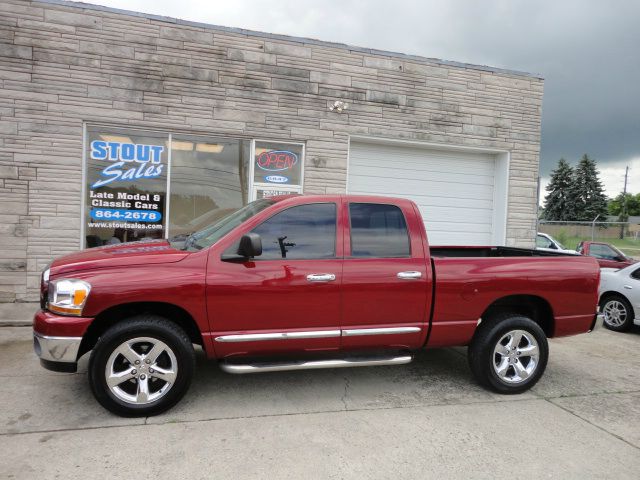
[(141, 370), (615, 313), (516, 356)]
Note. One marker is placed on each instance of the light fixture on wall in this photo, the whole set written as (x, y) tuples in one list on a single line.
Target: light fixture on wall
[(181, 145), (339, 106), (116, 138), (209, 147)]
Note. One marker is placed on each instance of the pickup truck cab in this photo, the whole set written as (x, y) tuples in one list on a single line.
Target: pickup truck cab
[(607, 255), (300, 282)]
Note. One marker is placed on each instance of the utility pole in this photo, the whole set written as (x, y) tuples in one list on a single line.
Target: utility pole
[(623, 214)]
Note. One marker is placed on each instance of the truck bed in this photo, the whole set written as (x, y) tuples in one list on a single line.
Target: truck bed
[(492, 252)]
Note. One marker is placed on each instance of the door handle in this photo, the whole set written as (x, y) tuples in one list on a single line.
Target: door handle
[(321, 277), (628, 287), (410, 275)]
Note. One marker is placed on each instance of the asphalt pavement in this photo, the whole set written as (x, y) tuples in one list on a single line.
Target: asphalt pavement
[(427, 419)]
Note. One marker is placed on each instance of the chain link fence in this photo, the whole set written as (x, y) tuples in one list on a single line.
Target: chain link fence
[(624, 235)]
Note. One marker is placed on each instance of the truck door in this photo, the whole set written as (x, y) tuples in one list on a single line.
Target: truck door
[(288, 298), (386, 279)]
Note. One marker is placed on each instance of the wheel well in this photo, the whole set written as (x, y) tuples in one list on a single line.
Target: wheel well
[(113, 315), (536, 308), (609, 294)]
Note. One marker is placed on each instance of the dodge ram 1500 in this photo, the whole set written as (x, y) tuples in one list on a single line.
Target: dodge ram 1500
[(302, 282)]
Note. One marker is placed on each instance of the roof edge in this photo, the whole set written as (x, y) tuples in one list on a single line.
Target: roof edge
[(288, 38)]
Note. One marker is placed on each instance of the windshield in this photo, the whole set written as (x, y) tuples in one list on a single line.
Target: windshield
[(618, 252), (209, 235)]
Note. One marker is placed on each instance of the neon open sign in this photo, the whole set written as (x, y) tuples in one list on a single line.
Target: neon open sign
[(277, 160)]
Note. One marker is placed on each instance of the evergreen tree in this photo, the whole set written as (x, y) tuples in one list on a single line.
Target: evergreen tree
[(558, 203), (587, 192)]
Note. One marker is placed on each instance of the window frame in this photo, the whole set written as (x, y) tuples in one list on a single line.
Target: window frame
[(350, 239), (233, 246)]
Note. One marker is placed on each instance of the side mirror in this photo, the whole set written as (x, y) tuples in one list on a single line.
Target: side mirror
[(250, 245), (619, 259)]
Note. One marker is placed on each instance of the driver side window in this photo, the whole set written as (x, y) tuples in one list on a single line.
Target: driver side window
[(543, 242), (602, 251), (636, 274), (303, 232)]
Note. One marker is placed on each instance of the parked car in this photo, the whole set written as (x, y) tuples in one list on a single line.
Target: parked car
[(304, 282), (547, 243), (620, 297), (607, 255)]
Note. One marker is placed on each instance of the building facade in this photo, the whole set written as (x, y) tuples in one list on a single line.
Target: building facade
[(118, 126)]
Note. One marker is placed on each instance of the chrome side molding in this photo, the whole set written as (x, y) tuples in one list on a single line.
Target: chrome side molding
[(354, 332), (314, 364), (258, 337)]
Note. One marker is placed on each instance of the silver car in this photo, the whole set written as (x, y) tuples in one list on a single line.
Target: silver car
[(620, 297)]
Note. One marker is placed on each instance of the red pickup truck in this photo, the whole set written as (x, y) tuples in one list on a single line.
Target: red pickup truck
[(608, 256), (300, 282)]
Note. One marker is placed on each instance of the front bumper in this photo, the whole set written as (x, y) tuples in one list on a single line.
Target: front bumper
[(57, 353), (56, 340)]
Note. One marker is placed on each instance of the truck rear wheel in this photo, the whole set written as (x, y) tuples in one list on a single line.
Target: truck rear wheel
[(508, 353), (141, 366)]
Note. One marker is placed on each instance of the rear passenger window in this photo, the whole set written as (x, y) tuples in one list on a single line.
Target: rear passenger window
[(378, 230)]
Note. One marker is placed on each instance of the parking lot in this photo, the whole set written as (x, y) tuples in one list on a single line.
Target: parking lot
[(425, 419)]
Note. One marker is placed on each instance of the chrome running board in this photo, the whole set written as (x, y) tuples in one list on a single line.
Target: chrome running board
[(238, 368)]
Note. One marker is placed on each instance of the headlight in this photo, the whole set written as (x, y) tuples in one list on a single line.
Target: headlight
[(68, 296)]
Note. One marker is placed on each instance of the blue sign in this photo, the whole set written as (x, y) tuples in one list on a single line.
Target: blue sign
[(276, 179), (125, 215), (131, 161)]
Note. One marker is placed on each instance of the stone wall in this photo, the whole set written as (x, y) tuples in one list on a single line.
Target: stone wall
[(63, 64)]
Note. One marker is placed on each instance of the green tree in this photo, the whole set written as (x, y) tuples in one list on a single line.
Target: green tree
[(587, 192), (558, 203), (633, 204)]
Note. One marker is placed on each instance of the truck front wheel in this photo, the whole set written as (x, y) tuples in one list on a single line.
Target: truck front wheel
[(508, 353), (142, 366)]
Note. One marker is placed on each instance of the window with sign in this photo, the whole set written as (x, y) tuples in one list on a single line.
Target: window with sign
[(146, 185), (126, 186), (277, 169)]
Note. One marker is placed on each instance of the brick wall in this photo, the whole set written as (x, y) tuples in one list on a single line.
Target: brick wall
[(62, 65)]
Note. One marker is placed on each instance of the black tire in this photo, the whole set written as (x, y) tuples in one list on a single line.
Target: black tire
[(141, 326), (482, 358), (628, 312)]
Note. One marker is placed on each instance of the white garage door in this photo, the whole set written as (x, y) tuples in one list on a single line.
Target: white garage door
[(455, 190)]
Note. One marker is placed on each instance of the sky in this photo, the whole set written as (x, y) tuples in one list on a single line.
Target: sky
[(588, 52)]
